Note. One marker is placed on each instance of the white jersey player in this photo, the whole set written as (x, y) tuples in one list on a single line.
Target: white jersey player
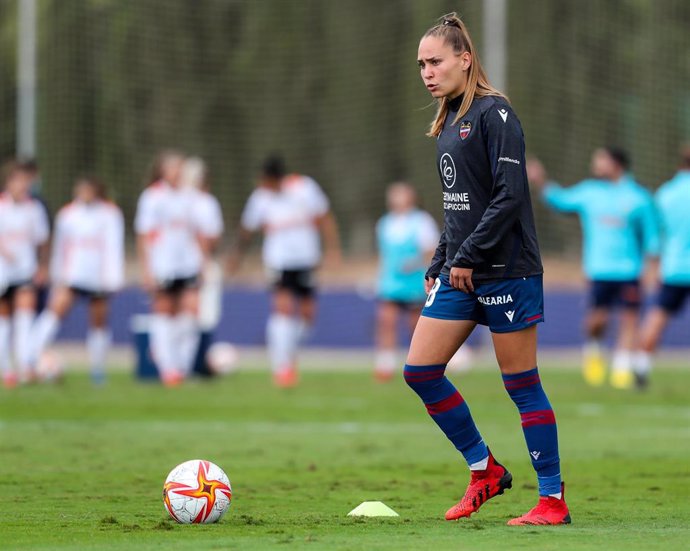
[(87, 260), (24, 233), (293, 213), (171, 240)]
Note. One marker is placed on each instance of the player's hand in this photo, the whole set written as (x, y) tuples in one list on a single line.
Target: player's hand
[(461, 279), (428, 284), (536, 173)]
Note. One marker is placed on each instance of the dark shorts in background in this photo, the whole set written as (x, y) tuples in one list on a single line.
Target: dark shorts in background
[(608, 294), (404, 305), (12, 289), (299, 282), (504, 305), (90, 294), (672, 297), (178, 285)]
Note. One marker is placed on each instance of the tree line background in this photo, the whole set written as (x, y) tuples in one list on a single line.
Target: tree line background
[(335, 87)]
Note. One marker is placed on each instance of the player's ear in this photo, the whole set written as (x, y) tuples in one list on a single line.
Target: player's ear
[(465, 61)]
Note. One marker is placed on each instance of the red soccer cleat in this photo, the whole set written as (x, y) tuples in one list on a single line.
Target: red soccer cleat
[(483, 486), (548, 512), (286, 378)]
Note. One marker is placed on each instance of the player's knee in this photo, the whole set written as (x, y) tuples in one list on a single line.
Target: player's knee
[(423, 379)]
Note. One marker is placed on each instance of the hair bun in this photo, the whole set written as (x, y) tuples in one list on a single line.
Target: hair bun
[(451, 20)]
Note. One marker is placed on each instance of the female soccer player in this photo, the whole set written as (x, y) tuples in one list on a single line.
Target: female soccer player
[(672, 200), (293, 213), (407, 238), (487, 270), (87, 260), (172, 251), (620, 228), (24, 232)]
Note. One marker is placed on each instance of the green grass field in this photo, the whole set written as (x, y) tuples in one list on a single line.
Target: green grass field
[(82, 468)]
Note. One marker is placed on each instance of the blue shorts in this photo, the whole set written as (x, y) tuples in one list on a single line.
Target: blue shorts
[(505, 305), (672, 297), (607, 294)]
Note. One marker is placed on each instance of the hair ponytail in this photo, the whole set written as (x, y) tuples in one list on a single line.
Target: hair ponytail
[(454, 33)]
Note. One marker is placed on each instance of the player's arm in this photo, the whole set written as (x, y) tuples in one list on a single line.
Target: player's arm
[(145, 229), (114, 277), (510, 188), (42, 236), (651, 240), (328, 226), (57, 256), (555, 196)]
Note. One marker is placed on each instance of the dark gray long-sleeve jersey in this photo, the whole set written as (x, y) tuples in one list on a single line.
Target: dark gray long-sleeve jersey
[(488, 218)]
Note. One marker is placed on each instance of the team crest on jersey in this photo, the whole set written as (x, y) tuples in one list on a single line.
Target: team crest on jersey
[(465, 129)]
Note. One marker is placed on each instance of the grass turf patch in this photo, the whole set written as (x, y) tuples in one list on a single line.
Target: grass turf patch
[(83, 467)]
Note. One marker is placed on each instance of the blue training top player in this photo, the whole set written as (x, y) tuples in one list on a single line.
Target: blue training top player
[(672, 200), (620, 230), (407, 238), (486, 270)]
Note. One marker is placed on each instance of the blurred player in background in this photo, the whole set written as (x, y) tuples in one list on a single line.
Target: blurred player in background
[(172, 246), (620, 230), (407, 238), (24, 233), (87, 261), (673, 207), (292, 212), (195, 176), (486, 270)]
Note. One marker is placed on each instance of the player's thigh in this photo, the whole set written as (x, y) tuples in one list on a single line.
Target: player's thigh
[(61, 300), (5, 308), (99, 308), (283, 301), (516, 351), (306, 305), (25, 298), (387, 314), (435, 341), (164, 302)]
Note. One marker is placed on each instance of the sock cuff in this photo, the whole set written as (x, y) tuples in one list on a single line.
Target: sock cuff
[(423, 373)]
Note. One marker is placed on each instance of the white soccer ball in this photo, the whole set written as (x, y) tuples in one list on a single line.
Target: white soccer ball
[(197, 492), (222, 357)]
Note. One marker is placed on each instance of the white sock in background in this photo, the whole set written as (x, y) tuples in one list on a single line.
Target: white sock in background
[(162, 333), (386, 360), (43, 333), (5, 348), (282, 334), (22, 324), (97, 344), (593, 348), (188, 337), (622, 360), (303, 330), (642, 363)]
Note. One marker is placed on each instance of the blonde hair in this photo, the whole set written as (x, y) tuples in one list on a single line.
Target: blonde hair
[(454, 33)]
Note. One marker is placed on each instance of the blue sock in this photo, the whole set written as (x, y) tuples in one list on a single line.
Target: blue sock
[(539, 426), (448, 409)]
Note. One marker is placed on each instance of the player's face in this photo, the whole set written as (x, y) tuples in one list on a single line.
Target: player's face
[(604, 166), (172, 169), (443, 71), (400, 199), (269, 182), (85, 192), (19, 184)]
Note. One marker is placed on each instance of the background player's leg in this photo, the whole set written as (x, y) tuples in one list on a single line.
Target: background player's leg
[(47, 324), (650, 335), (594, 366), (385, 361), (23, 319), (162, 337), (8, 377), (188, 331), (621, 365), (282, 335), (516, 354), (98, 338)]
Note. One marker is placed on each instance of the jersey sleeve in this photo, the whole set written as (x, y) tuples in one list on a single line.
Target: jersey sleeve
[(145, 219), (316, 198), (570, 199), (114, 270), (210, 217), (253, 217), (506, 150), (428, 234), (42, 225)]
